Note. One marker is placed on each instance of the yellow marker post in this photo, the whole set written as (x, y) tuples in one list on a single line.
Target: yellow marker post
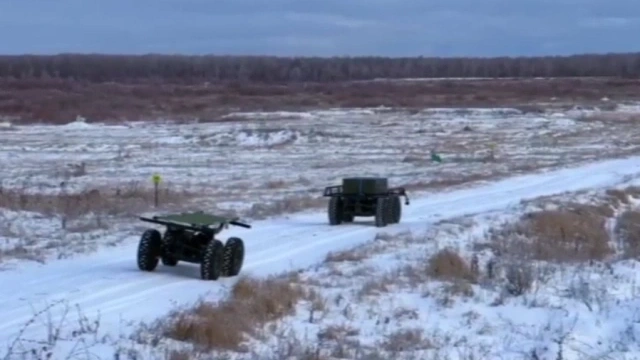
[(156, 181)]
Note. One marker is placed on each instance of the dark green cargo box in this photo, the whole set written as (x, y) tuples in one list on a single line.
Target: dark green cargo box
[(364, 185)]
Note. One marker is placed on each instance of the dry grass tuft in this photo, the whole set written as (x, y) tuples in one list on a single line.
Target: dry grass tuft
[(633, 191), (224, 325), (123, 200), (520, 278), (459, 288), (21, 252), (276, 184), (618, 196), (337, 333), (406, 340), (449, 265), (577, 233), (375, 286), (627, 231), (288, 205), (353, 255), (602, 210), (572, 232), (178, 355)]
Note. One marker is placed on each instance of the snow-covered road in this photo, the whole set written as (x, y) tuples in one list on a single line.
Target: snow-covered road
[(110, 284)]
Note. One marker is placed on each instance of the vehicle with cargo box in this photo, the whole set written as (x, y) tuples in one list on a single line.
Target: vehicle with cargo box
[(365, 197)]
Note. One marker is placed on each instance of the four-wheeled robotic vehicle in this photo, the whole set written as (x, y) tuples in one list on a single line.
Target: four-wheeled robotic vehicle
[(365, 196), (191, 237)]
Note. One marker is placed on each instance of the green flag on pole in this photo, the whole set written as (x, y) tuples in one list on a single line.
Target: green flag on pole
[(435, 157)]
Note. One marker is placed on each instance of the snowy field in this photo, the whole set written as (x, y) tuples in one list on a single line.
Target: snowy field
[(472, 286), (91, 180), (108, 296), (75, 188)]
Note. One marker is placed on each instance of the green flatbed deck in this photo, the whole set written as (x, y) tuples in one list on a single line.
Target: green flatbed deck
[(200, 219)]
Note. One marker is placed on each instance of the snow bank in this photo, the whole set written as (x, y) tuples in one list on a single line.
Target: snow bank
[(580, 111), (306, 115), (470, 112), (265, 137)]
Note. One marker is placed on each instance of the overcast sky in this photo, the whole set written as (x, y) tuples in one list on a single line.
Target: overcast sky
[(321, 27)]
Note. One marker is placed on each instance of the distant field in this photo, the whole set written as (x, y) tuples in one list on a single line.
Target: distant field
[(92, 179), (61, 101)]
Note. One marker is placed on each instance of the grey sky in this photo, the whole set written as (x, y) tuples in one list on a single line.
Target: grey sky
[(320, 27)]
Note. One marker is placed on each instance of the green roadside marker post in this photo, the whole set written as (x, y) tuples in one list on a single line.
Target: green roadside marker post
[(435, 157), (156, 182)]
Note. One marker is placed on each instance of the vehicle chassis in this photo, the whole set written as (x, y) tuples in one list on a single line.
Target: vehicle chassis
[(193, 242)]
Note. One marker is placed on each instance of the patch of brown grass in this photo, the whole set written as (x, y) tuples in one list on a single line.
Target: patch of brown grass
[(337, 333), (459, 288), (375, 286), (178, 355), (21, 252), (633, 191), (406, 340), (287, 205), (575, 233), (450, 266), (605, 209), (224, 325), (123, 200), (275, 184), (520, 278), (627, 231), (352, 255), (617, 196)]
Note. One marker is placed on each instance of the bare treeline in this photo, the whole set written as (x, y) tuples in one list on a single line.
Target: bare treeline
[(100, 68)]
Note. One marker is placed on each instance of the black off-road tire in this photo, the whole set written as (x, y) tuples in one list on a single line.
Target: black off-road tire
[(382, 213), (149, 250), (335, 211), (389, 211), (212, 260), (166, 257), (233, 257), (396, 210)]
